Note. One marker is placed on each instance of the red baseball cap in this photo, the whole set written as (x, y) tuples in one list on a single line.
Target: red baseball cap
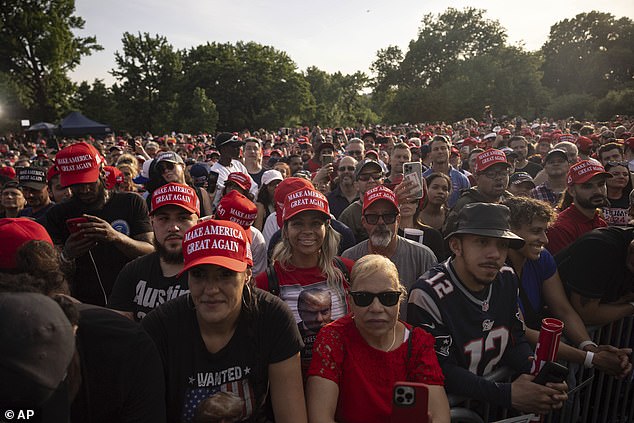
[(113, 176), (175, 194), (218, 242), (78, 164), (240, 179), (584, 144), (237, 208), (585, 170), (379, 192), (15, 232), (8, 171), (53, 171), (629, 143), (488, 158), (305, 199), (282, 190), (504, 131)]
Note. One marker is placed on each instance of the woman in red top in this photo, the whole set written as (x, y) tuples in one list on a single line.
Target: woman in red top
[(357, 359), (305, 273)]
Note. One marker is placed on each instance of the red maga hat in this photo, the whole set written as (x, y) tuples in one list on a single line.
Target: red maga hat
[(305, 199), (78, 164), (218, 242), (379, 192), (113, 176), (585, 170), (237, 208), (282, 190), (15, 232), (240, 179), (488, 158), (175, 194)]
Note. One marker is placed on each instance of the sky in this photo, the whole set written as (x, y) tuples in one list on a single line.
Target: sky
[(333, 35)]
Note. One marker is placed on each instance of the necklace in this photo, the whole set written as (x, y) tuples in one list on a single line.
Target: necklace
[(393, 341)]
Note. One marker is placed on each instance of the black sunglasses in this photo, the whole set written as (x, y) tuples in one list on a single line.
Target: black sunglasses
[(373, 219), (166, 165), (364, 299), (612, 164), (366, 176)]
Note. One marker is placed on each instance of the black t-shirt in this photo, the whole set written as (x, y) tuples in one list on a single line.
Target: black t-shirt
[(531, 168), (128, 214), (193, 374), (594, 265), (257, 177), (122, 376), (141, 286)]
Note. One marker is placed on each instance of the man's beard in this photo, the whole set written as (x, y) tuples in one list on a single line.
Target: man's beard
[(168, 256), (589, 204), (99, 202), (381, 237)]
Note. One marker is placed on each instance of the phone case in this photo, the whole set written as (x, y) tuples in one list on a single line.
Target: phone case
[(410, 403), (413, 171), (71, 224), (551, 372)]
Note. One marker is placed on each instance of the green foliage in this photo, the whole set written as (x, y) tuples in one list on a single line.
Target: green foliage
[(581, 106), (619, 102), (338, 98), (253, 86), (38, 49), (148, 72), (591, 53), (198, 113), (96, 101)]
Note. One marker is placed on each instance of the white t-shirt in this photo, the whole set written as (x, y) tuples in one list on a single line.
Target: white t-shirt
[(223, 174), (270, 227)]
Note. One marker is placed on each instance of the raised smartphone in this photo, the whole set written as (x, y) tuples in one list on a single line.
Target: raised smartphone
[(410, 402), (413, 171)]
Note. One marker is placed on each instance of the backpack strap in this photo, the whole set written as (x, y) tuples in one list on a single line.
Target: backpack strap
[(274, 283), (344, 269)]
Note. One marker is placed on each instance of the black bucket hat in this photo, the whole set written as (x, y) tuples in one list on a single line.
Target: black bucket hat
[(487, 219)]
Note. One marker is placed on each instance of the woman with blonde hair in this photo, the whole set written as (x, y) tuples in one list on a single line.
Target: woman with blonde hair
[(305, 260), (358, 358)]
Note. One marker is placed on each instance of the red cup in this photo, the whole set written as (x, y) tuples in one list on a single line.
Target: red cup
[(548, 343)]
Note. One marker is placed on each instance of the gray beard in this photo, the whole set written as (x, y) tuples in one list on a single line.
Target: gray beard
[(381, 239)]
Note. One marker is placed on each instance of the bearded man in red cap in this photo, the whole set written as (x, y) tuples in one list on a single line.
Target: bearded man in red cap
[(98, 231)]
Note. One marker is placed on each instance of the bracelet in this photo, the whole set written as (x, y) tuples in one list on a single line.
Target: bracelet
[(587, 363), (586, 343), (65, 259)]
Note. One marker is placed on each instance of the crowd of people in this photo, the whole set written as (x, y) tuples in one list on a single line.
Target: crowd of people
[(297, 275)]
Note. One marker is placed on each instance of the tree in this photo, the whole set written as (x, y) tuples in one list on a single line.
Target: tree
[(198, 113), (97, 102), (591, 53), (446, 39), (148, 75), (253, 86), (386, 68), (38, 49)]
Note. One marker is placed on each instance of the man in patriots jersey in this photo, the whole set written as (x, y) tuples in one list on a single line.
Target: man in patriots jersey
[(469, 304)]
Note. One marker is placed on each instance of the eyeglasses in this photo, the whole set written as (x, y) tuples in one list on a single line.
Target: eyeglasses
[(492, 174), (364, 299), (612, 164), (366, 176), (344, 168), (373, 219), (166, 165), (354, 152)]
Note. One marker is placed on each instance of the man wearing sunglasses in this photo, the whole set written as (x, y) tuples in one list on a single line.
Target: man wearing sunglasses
[(380, 219), (469, 304), (491, 172), (229, 146), (367, 174), (346, 191)]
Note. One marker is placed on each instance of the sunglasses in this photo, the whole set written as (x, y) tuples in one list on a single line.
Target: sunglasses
[(167, 165), (373, 219), (364, 299), (366, 176), (344, 168), (612, 164)]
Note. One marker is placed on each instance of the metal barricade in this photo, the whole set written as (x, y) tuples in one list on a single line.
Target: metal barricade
[(593, 398)]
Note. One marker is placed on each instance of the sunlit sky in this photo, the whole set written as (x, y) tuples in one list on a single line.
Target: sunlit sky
[(334, 35)]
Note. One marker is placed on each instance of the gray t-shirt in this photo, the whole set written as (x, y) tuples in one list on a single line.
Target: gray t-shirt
[(411, 259)]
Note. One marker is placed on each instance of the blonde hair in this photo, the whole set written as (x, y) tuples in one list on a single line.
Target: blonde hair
[(367, 267), (283, 252)]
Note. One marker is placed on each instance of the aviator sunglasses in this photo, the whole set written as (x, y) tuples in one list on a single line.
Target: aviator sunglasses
[(364, 299)]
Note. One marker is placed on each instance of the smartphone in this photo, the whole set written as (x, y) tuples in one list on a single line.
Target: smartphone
[(413, 171), (131, 143), (72, 224), (551, 372), (327, 159), (410, 403)]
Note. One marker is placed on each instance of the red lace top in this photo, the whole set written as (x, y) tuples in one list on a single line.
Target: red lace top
[(365, 375)]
